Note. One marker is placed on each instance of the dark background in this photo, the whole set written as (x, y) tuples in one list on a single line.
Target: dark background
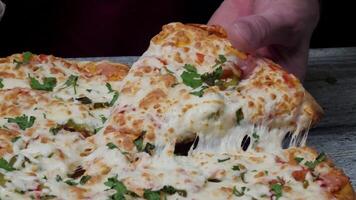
[(78, 28)]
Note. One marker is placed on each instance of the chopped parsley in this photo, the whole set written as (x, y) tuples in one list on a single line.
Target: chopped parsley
[(84, 100), (242, 176), (48, 83), (103, 118), (139, 142), (171, 190), (200, 92), (13, 140), (148, 148), (277, 190), (119, 187), (114, 99), (298, 159), (223, 160), (96, 130), (108, 85), (312, 164), (237, 192), (71, 182), (84, 179), (1, 84), (191, 77), (47, 197), (55, 130), (238, 167), (26, 58), (211, 78), (151, 195), (255, 136), (239, 116), (23, 121), (2, 179), (72, 81), (58, 178), (111, 145), (6, 165)]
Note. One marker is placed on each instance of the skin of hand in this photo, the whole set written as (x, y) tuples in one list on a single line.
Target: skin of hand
[(277, 29)]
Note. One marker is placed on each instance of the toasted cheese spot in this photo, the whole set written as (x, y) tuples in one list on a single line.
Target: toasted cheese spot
[(182, 39), (130, 88), (4, 74), (259, 174), (5, 141), (154, 97), (178, 58), (113, 71), (56, 70), (140, 71), (79, 192), (168, 80)]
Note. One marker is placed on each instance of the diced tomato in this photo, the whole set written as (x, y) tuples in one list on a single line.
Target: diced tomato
[(43, 58), (299, 175), (288, 79), (200, 58)]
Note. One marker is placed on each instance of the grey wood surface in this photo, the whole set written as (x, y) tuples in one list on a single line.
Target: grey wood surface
[(331, 79)]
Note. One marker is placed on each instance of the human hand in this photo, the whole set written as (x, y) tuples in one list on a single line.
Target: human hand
[(276, 29)]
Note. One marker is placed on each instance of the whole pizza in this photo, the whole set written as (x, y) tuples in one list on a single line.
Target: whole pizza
[(185, 121)]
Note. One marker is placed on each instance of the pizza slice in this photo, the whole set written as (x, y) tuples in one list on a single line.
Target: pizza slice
[(190, 82), (49, 109), (190, 85)]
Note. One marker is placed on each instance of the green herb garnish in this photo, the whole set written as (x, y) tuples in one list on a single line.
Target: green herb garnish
[(108, 85), (13, 140), (1, 84), (223, 160), (84, 100), (26, 57), (6, 165), (111, 145), (72, 81), (237, 192), (191, 77), (58, 178), (211, 78), (239, 116), (71, 182), (114, 99), (312, 164), (23, 121), (119, 187), (151, 195), (84, 179), (171, 190), (277, 190), (298, 159), (48, 83)]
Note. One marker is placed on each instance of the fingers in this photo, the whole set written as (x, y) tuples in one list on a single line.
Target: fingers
[(230, 10), (255, 31)]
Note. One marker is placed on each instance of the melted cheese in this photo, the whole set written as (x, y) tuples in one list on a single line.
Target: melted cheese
[(155, 107)]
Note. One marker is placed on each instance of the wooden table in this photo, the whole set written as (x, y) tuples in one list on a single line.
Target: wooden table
[(331, 79)]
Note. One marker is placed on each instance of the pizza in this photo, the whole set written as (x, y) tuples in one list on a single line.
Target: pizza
[(192, 118)]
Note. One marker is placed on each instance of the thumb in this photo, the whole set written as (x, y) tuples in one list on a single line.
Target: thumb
[(255, 31)]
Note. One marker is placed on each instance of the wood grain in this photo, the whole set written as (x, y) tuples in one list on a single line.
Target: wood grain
[(331, 79)]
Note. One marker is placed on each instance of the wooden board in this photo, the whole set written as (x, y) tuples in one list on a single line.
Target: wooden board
[(331, 79)]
